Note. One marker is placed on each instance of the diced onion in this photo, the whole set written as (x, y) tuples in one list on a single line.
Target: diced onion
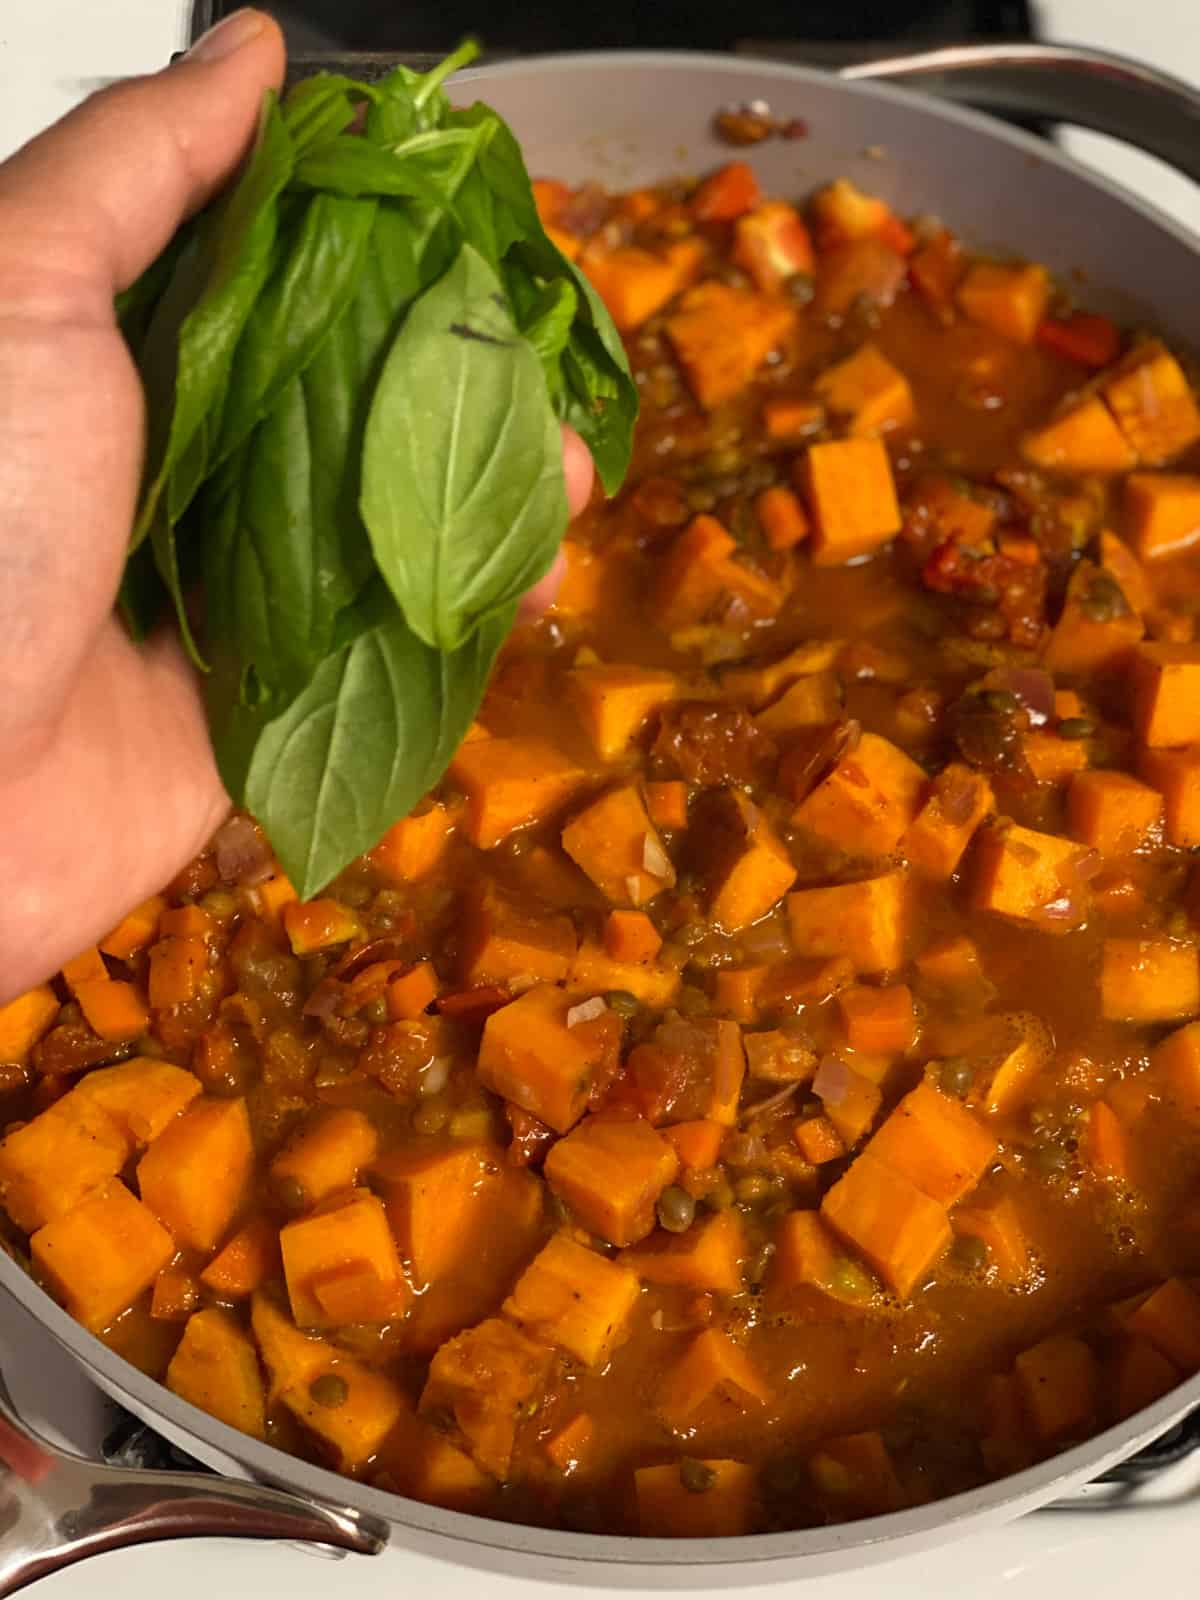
[(654, 858), (586, 1011), (832, 1081)]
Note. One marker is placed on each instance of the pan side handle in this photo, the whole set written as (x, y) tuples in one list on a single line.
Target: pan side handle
[(1113, 94)]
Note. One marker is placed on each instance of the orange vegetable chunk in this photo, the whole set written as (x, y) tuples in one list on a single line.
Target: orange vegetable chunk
[(936, 1143), (615, 702), (878, 1020), (505, 940), (866, 390), (102, 1255), (712, 1368), (771, 244), (350, 1247), (1175, 774), (999, 1227), (1176, 1062), (899, 1231), (616, 844), (195, 1175), (1141, 1375), (1019, 872), (631, 936), (868, 801), (327, 1154), (611, 1171), (955, 803), (747, 866), (635, 283), (1149, 980), (782, 517), (707, 1258), (572, 1297), (852, 496), (313, 925), (24, 1020), (538, 1054), (696, 1500), (413, 847), (215, 1366), (867, 922), (510, 783), (485, 1378), (1112, 812), (1166, 694), (1010, 300), (721, 336), (1080, 438), (135, 930), (1153, 403), (245, 1263), (1097, 628), (1170, 1319), (1059, 1381), (854, 1475), (1162, 513)]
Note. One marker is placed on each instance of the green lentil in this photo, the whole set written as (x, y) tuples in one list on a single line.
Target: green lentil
[(696, 1476), (676, 1209), (292, 1194), (329, 1390), (956, 1076), (622, 1002), (971, 1252)]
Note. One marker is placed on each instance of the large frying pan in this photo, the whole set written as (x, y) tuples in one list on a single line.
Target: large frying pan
[(626, 119)]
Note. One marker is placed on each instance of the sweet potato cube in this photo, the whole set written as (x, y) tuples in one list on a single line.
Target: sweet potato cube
[(1166, 694), (611, 1172), (135, 930), (273, 895), (955, 804), (899, 1231), (142, 1095), (781, 516), (327, 1154), (101, 1256), (808, 1269), (1052, 759), (667, 804), (1112, 812), (1170, 1319), (53, 1162), (485, 1378), (697, 1143), (746, 864), (504, 941), (313, 925), (431, 1195), (114, 1010), (351, 1429), (852, 497), (244, 1264), (867, 922), (1018, 872), (1011, 300), (758, 683), (292, 1358), (693, 1068), (850, 1098), (818, 1141), (936, 1143), (615, 702), (867, 391), (1017, 1047), (631, 936), (721, 336), (87, 967), (24, 1020), (951, 963), (1153, 403), (1162, 514), (1175, 774), (510, 783), (854, 1476), (568, 1448), (439, 1473), (712, 1368), (1059, 1381), (1141, 1374), (997, 1225), (810, 702), (868, 801), (349, 1243), (536, 1054), (634, 283), (215, 1367), (772, 245), (594, 971), (707, 1258), (736, 991), (1097, 628), (616, 844), (414, 846), (1148, 980), (696, 1500), (878, 1020), (1176, 1063), (692, 577), (176, 1294), (1081, 438), (575, 1298), (195, 1175), (410, 994)]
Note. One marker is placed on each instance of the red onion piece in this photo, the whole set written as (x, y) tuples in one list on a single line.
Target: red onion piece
[(832, 1081), (386, 948), (326, 999), (243, 855), (1032, 687)]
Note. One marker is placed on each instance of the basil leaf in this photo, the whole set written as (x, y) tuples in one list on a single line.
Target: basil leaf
[(351, 166), (298, 306), (238, 247), (462, 489), (545, 319), (411, 102), (141, 598), (363, 743), (320, 108)]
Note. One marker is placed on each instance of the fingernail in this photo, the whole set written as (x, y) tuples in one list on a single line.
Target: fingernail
[(228, 35)]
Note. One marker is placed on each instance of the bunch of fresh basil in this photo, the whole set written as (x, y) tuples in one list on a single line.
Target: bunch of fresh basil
[(355, 363)]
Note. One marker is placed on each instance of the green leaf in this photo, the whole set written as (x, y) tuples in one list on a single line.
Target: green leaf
[(321, 107), (463, 491), (322, 262), (411, 102), (545, 315), (135, 306), (141, 599), (430, 172), (367, 738)]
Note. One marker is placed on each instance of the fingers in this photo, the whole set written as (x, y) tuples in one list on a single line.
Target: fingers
[(577, 469), (93, 200)]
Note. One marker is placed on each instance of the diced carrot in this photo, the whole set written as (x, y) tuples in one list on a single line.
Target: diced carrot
[(787, 419), (1153, 403), (784, 520), (1112, 812), (631, 936), (511, 782), (1010, 300), (413, 847), (314, 925), (615, 702), (616, 844), (736, 991), (721, 336), (135, 930), (537, 1053), (850, 490), (567, 1449), (726, 194), (1059, 1381), (866, 390), (1091, 340), (611, 1172), (245, 1262), (696, 1500), (936, 1143), (176, 968), (899, 1230), (936, 269), (411, 994), (999, 1227), (711, 1366), (24, 1020), (772, 244), (667, 804), (1148, 980), (708, 1257), (114, 1010), (575, 1298), (818, 1140)]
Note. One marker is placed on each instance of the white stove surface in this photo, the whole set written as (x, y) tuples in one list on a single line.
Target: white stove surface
[(52, 52)]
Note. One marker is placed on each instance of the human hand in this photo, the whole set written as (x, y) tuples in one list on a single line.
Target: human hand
[(107, 779)]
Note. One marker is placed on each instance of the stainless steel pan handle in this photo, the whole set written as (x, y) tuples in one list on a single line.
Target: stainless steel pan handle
[(1065, 83), (56, 1509)]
